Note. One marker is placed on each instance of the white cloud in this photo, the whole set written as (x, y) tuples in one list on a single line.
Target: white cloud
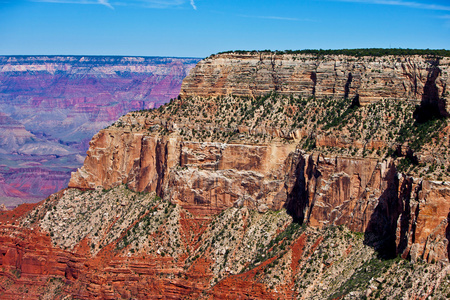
[(410, 4), (105, 3), (193, 5), (154, 3)]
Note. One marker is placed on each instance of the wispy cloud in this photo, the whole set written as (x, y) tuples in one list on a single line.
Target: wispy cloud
[(411, 4), (105, 3), (273, 18), (446, 19), (193, 5), (141, 3)]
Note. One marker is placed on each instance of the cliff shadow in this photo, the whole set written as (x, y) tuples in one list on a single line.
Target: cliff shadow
[(405, 217), (298, 202), (313, 78), (432, 106), (380, 233), (347, 85)]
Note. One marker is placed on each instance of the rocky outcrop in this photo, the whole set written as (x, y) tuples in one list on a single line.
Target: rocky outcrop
[(399, 214), (204, 176), (168, 253), (364, 194), (32, 267), (367, 79)]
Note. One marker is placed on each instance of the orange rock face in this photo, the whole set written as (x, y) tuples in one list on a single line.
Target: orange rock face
[(28, 260), (364, 194), (211, 176), (32, 267)]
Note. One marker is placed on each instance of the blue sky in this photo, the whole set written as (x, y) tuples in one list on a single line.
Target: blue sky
[(198, 28)]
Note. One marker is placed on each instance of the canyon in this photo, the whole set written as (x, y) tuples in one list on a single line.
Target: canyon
[(51, 106), (290, 182)]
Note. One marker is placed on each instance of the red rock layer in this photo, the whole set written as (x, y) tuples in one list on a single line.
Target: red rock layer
[(28, 260)]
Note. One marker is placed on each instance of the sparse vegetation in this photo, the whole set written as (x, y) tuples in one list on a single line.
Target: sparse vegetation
[(375, 52)]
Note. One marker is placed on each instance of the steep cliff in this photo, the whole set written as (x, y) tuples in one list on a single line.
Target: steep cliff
[(281, 195), (367, 78)]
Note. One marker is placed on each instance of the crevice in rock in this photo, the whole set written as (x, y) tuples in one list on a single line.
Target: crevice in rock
[(297, 199), (161, 151), (347, 85), (381, 229), (312, 172), (274, 75), (432, 106), (298, 204), (405, 217), (314, 80)]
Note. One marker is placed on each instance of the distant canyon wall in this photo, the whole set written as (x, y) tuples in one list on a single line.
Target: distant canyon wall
[(51, 106), (100, 89)]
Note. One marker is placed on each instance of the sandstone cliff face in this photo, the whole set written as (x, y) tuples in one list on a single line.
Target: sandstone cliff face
[(364, 194), (205, 176), (408, 215), (413, 78)]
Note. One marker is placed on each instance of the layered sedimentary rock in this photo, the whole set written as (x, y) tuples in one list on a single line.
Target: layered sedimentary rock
[(13, 133), (71, 98), (162, 151), (364, 194), (53, 105), (211, 176), (273, 196), (409, 215), (413, 78)]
